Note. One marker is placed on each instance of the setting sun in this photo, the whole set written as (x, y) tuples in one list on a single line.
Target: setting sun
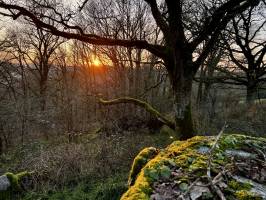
[(96, 62)]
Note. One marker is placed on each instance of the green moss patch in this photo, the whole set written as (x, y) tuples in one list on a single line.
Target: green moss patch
[(181, 169), (15, 184)]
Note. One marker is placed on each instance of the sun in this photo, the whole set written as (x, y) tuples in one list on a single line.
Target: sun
[(96, 62)]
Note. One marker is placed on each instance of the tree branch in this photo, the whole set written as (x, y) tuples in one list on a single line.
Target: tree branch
[(157, 16), (220, 17), (142, 104), (157, 50)]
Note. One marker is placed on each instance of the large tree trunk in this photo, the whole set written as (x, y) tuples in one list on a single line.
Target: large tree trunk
[(252, 93), (182, 107), (181, 77), (1, 145)]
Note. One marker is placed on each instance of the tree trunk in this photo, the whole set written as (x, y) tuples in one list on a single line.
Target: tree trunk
[(1, 145), (200, 87), (182, 107), (43, 83), (252, 94), (181, 77)]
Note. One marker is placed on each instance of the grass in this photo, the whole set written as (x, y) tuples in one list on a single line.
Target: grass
[(96, 169), (104, 189)]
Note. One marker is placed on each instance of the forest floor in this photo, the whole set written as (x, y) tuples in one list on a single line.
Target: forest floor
[(96, 166), (88, 168)]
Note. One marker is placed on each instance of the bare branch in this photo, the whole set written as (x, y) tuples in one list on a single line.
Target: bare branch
[(89, 38)]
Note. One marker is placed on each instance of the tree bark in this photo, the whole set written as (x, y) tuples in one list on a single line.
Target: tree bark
[(252, 94), (181, 71), (200, 87), (1, 145), (43, 93), (182, 88)]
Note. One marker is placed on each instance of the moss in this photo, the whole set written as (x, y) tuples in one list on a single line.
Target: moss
[(15, 179), (198, 164), (185, 155), (239, 186), (242, 191), (141, 189), (142, 104), (15, 186), (140, 160), (237, 141), (246, 195)]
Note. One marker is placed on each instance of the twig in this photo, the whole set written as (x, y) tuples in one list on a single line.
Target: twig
[(213, 148), (213, 182), (181, 196), (216, 189)]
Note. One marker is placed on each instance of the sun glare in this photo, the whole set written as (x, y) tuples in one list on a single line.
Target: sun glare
[(96, 62)]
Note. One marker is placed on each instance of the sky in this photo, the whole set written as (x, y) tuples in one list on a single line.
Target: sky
[(6, 22)]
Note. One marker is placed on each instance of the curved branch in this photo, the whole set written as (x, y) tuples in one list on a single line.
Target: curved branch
[(157, 50), (142, 104)]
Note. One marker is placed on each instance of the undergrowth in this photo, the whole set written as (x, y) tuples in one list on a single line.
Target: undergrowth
[(89, 169)]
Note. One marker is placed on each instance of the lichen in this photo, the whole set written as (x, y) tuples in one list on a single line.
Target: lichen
[(185, 155)]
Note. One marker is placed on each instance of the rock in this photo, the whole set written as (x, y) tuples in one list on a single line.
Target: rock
[(4, 183), (237, 167), (11, 183), (141, 159), (197, 191), (256, 188), (239, 153)]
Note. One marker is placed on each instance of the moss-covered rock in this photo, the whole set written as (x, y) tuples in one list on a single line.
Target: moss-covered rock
[(141, 159), (11, 183), (237, 166)]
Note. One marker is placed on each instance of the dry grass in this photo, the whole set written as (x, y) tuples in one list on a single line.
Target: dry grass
[(58, 164), (241, 118)]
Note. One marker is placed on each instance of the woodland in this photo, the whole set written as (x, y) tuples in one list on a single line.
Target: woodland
[(85, 85)]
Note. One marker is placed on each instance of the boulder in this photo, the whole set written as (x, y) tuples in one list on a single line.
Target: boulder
[(234, 167), (4, 183)]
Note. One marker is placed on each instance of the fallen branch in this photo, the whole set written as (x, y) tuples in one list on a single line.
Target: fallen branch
[(142, 104), (212, 150), (213, 181)]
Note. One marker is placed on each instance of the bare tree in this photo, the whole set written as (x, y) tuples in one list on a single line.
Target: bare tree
[(246, 48), (177, 50), (35, 48)]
